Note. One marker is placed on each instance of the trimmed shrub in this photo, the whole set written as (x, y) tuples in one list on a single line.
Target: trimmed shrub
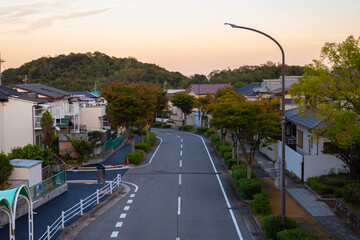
[(295, 234), (143, 146), (210, 132), (240, 171), (152, 138), (230, 162), (261, 205), (218, 145), (157, 125), (272, 225), (170, 121), (337, 180), (138, 132), (215, 139), (227, 155), (5, 169), (135, 157), (187, 128), (352, 193), (318, 187), (249, 187), (166, 126), (202, 130), (224, 148)]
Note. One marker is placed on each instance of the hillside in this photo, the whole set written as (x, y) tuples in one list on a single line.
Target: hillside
[(78, 71)]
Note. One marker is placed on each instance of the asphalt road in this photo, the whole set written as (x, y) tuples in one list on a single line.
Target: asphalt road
[(180, 194)]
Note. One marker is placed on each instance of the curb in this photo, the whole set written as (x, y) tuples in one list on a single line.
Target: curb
[(70, 232)]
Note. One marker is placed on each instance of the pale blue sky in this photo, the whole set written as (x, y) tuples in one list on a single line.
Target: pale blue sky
[(188, 36)]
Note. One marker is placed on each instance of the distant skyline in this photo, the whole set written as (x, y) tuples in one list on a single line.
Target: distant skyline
[(185, 36)]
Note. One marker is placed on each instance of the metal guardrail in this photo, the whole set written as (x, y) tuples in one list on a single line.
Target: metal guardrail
[(79, 208), (48, 185)]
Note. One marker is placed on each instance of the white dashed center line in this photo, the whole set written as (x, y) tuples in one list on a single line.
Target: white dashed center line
[(119, 224), (179, 206), (180, 163), (132, 195), (123, 215), (130, 201), (114, 234), (126, 208), (179, 179)]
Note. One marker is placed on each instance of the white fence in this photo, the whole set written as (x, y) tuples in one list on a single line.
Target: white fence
[(314, 165), (79, 208)]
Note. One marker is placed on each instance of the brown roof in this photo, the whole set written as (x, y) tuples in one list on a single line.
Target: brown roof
[(202, 89)]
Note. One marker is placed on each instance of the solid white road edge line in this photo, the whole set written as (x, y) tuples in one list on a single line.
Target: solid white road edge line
[(222, 189), (136, 187)]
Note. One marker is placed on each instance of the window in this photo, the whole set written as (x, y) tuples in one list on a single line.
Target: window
[(329, 148), (300, 139)]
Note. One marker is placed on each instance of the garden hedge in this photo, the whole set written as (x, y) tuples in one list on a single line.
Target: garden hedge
[(271, 225)]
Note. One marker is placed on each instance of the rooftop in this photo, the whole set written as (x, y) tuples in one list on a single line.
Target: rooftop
[(24, 163), (202, 89), (44, 90), (310, 122)]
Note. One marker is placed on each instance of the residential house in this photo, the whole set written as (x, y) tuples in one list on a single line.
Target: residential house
[(273, 87), (59, 103), (198, 91), (16, 119), (304, 154), (175, 113), (93, 115), (248, 91)]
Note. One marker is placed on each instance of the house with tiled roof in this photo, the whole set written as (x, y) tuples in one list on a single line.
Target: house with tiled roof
[(248, 90), (199, 90)]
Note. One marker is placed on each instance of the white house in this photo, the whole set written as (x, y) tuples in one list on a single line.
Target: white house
[(304, 153)]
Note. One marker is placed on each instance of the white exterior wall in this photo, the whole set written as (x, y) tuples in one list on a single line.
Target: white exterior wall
[(91, 117), (305, 150), (321, 164), (31, 175), (19, 174), (16, 122)]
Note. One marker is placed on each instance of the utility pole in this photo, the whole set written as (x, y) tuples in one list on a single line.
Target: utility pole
[(1, 61)]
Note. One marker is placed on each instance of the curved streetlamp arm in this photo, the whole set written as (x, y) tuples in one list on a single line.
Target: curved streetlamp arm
[(282, 184)]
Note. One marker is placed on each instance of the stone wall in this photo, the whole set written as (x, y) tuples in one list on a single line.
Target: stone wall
[(347, 213)]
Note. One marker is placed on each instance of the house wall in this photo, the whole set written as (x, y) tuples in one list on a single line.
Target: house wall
[(91, 117), (16, 123), (66, 147), (305, 149), (321, 164)]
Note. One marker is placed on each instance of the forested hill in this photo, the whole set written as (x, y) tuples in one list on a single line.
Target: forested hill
[(78, 72)]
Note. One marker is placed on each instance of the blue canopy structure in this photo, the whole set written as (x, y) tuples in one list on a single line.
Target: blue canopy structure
[(8, 203)]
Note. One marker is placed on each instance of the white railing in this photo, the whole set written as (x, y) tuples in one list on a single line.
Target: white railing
[(79, 208)]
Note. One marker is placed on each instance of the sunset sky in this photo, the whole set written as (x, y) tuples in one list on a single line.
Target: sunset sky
[(188, 36)]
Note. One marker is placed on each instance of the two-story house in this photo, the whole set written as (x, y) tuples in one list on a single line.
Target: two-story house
[(17, 119)]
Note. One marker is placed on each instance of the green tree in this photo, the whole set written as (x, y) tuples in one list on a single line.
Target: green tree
[(203, 105), (252, 122), (35, 152), (130, 105), (47, 129), (5, 169), (185, 102), (330, 88), (81, 146)]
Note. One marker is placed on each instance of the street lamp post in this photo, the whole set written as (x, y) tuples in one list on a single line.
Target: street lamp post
[(283, 189)]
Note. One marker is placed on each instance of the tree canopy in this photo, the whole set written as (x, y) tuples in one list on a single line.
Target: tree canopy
[(330, 88), (132, 105), (80, 71), (185, 102), (47, 129), (251, 122)]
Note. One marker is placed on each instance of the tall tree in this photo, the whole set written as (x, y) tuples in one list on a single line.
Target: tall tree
[(130, 105), (252, 122), (203, 106), (185, 102), (330, 88), (47, 129)]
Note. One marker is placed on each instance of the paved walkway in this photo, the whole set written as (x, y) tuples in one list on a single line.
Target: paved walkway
[(307, 200)]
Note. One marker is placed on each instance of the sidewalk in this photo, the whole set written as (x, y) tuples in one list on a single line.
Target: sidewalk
[(306, 200)]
